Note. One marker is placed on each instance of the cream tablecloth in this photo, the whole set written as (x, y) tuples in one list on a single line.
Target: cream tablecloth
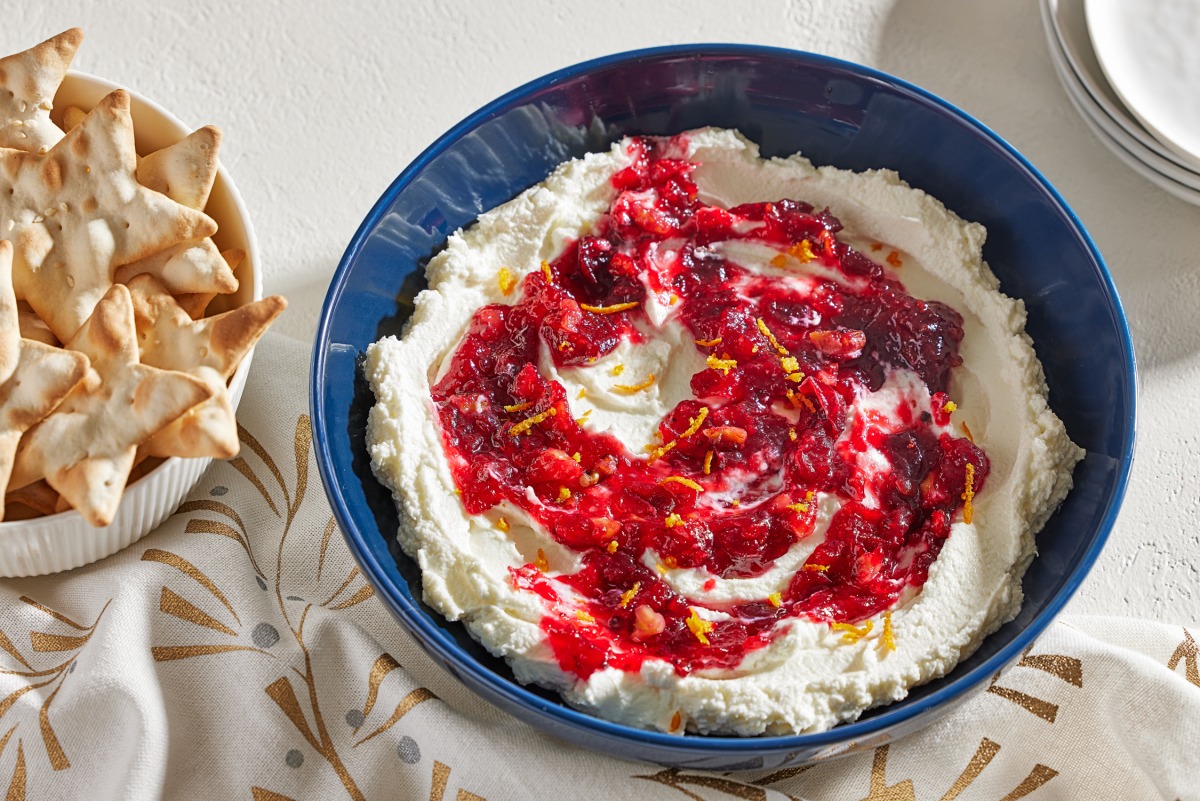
[(237, 653)]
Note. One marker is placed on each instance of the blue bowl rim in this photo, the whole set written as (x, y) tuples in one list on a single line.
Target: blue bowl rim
[(703, 744)]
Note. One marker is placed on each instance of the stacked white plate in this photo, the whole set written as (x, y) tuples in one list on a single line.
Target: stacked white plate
[(1132, 70)]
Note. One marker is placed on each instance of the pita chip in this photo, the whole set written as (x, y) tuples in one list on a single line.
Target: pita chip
[(196, 303), (38, 496), (209, 349), (37, 381), (10, 325), (72, 116), (28, 82), (184, 171), (77, 212), (86, 448), (33, 327), (191, 267)]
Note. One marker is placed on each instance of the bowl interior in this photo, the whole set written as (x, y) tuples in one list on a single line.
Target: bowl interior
[(835, 113)]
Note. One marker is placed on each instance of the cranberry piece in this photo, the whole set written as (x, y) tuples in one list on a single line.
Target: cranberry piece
[(839, 344)]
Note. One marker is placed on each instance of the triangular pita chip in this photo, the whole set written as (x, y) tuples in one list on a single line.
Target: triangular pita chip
[(39, 496), (34, 327), (72, 116), (210, 349), (10, 325), (77, 212), (37, 381), (196, 303), (194, 266), (184, 171), (86, 449), (28, 82)]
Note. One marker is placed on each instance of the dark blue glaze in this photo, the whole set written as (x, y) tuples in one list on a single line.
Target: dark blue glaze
[(835, 113)]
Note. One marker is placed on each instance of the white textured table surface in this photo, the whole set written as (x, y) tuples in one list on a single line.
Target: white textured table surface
[(322, 104)]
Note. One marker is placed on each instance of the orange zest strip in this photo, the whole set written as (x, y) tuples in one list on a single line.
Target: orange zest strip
[(584, 616), (893, 258), (969, 494), (618, 369), (699, 626), (693, 427), (659, 452), (502, 524), (564, 494), (708, 463), (629, 594), (775, 599), (817, 568), (529, 422), (612, 546), (695, 423), (799, 400), (852, 633), (798, 507), (779, 262), (786, 360), (950, 406), (802, 251), (507, 281), (629, 389), (780, 349), (708, 343), (541, 563), (518, 407), (546, 272), (673, 520), (687, 482), (792, 434), (724, 365), (613, 309), (889, 634)]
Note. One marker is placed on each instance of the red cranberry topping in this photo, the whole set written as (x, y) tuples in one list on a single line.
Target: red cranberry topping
[(769, 430)]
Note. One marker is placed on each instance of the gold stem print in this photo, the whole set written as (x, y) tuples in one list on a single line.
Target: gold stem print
[(66, 648), (295, 693)]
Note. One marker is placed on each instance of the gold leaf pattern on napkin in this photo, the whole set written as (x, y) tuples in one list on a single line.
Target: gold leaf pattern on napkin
[(43, 642), (691, 784), (1067, 668), (297, 693), (1186, 653)]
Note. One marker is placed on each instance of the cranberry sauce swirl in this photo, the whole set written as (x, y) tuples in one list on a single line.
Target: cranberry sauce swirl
[(777, 430)]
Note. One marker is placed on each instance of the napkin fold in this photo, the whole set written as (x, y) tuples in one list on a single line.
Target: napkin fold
[(237, 653)]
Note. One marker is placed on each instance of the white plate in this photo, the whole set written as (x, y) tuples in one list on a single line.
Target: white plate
[(1069, 23), (1148, 51), (1088, 108), (1163, 182)]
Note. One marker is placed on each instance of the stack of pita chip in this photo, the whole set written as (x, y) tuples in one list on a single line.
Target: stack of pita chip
[(107, 360)]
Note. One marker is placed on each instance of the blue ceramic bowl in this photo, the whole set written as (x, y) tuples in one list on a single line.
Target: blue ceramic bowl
[(835, 113)]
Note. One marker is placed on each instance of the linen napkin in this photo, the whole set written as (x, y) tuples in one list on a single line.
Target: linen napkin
[(237, 653)]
